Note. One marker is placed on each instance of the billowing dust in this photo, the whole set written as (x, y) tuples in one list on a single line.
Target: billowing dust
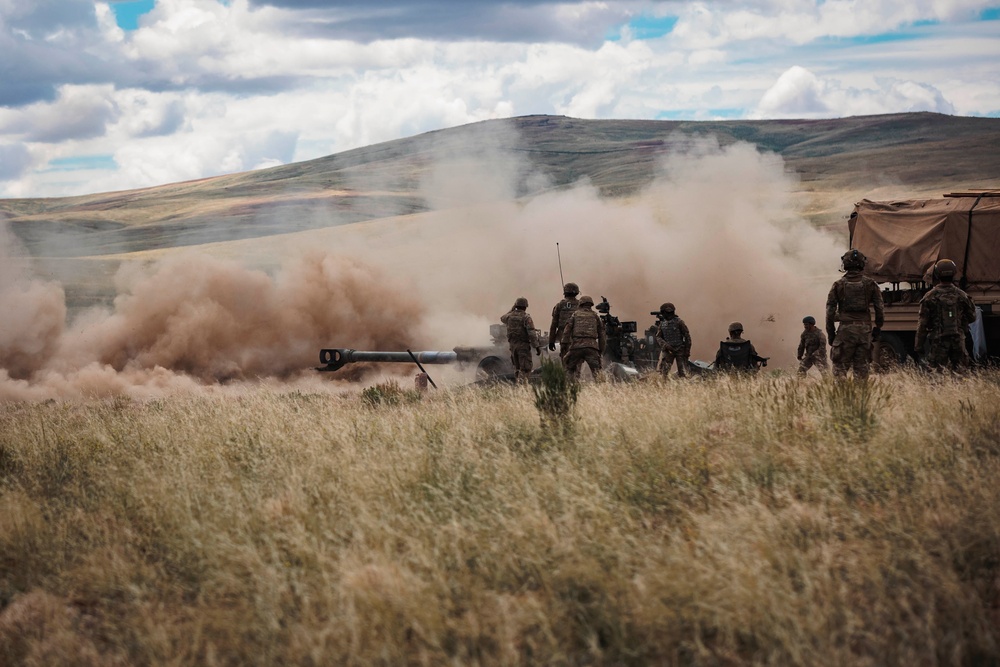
[(716, 233)]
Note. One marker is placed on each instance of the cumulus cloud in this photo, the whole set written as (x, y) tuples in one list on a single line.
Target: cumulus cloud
[(703, 24), (189, 91), (798, 93), (79, 112), (585, 23)]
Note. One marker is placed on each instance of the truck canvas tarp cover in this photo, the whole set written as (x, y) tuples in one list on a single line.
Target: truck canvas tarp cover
[(903, 239)]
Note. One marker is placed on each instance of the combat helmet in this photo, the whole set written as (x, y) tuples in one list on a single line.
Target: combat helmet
[(808, 319), (520, 302), (571, 289), (667, 308), (853, 259), (945, 269), (586, 301), (734, 327)]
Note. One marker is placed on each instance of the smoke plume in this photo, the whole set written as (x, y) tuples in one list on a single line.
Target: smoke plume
[(716, 233)]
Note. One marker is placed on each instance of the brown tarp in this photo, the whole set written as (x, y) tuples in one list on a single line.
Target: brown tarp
[(903, 239)]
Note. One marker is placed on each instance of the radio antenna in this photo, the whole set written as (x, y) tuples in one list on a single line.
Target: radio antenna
[(561, 281)]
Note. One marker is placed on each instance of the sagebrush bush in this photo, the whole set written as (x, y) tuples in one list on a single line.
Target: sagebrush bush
[(766, 520)]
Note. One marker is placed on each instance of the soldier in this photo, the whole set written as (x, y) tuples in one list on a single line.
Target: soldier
[(945, 314), (521, 338), (675, 341), (812, 347), (561, 313), (586, 339), (736, 353), (850, 302)]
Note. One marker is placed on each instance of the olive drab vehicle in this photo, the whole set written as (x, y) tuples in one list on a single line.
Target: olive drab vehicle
[(903, 240)]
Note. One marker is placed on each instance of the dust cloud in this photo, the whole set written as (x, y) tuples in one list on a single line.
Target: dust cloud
[(716, 233)]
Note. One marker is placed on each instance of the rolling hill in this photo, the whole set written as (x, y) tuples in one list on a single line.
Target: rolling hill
[(835, 161)]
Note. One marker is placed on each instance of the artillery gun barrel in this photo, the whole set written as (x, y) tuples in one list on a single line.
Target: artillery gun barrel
[(336, 358)]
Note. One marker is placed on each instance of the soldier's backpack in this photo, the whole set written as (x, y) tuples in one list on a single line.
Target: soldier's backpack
[(949, 319)]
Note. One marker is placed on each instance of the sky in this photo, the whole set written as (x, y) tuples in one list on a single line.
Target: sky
[(103, 96)]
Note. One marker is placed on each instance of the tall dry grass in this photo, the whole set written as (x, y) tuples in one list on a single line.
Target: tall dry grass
[(726, 522)]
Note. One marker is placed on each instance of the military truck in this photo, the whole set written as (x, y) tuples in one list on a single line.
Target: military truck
[(903, 239)]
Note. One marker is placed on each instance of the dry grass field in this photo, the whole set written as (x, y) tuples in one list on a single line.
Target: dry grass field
[(769, 521)]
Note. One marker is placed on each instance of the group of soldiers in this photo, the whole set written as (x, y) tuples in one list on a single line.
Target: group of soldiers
[(945, 314)]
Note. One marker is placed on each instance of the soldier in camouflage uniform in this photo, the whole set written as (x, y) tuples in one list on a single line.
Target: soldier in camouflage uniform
[(587, 339), (561, 313), (812, 347), (521, 338), (675, 341), (945, 315), (850, 302)]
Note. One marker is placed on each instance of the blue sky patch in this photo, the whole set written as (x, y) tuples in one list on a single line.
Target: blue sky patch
[(647, 27), (991, 14), (127, 13), (82, 162)]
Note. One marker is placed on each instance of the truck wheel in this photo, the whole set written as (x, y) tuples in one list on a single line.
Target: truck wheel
[(891, 353)]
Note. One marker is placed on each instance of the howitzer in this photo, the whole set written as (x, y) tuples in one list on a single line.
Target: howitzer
[(491, 362), (488, 363)]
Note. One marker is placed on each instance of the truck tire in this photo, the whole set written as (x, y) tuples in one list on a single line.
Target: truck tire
[(890, 353)]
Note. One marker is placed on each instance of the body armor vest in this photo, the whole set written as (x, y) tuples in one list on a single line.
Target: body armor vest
[(585, 325), (566, 310), (671, 332), (517, 331), (855, 297)]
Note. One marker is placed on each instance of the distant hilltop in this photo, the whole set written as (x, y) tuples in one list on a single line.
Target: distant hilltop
[(837, 162)]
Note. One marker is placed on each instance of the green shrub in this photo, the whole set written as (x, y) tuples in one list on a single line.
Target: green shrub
[(555, 396)]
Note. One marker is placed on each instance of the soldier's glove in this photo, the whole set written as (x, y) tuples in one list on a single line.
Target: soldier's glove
[(552, 347), (799, 357), (538, 351), (830, 335), (876, 333)]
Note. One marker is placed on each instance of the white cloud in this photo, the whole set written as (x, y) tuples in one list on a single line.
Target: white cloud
[(798, 93), (716, 24), (204, 87)]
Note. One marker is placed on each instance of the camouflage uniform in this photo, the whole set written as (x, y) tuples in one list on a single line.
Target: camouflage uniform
[(945, 314), (812, 351), (561, 313), (520, 337), (587, 340), (675, 345), (850, 302)]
